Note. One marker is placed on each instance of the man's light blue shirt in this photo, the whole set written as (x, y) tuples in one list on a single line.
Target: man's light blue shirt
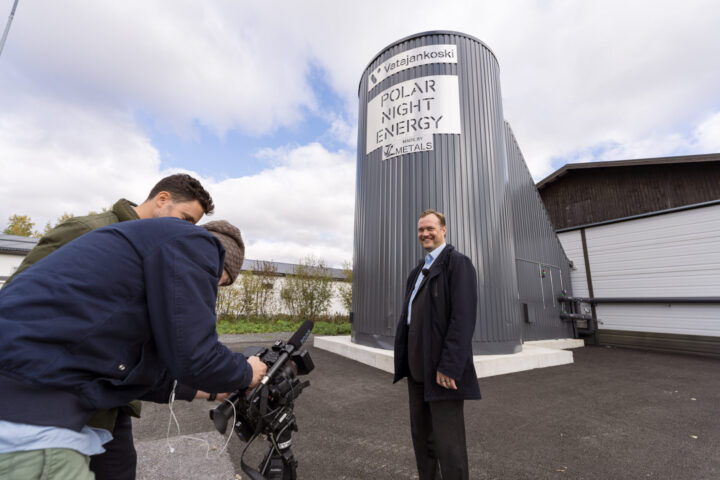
[(429, 259), (20, 437)]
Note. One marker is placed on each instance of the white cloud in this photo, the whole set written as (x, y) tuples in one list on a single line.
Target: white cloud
[(56, 158), (303, 205), (702, 138), (581, 81), (707, 135), (597, 73), (344, 132), (574, 74), (220, 63)]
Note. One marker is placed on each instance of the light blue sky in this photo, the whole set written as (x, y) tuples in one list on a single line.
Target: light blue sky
[(259, 99), (234, 153)]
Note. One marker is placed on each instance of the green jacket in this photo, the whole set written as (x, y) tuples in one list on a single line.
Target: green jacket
[(74, 227), (64, 233)]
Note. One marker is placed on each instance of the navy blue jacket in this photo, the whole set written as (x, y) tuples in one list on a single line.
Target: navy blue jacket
[(112, 316), (450, 289)]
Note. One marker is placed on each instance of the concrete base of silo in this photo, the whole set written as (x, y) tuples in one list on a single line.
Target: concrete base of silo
[(534, 354)]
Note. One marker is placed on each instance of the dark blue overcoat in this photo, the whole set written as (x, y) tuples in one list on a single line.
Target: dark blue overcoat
[(448, 325)]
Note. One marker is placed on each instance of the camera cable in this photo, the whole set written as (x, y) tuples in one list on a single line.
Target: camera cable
[(173, 417)]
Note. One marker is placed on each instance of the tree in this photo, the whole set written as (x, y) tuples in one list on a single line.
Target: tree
[(257, 290), (21, 225), (265, 294), (65, 216), (345, 288), (93, 212), (251, 295), (227, 301), (248, 288), (307, 292)]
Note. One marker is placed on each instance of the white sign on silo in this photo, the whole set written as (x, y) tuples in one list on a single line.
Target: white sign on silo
[(403, 118)]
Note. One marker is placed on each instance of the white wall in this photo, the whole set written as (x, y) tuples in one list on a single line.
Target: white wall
[(8, 264), (336, 306), (680, 319), (669, 255), (675, 254)]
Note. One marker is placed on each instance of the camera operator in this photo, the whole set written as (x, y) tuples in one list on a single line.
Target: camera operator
[(117, 314), (180, 196)]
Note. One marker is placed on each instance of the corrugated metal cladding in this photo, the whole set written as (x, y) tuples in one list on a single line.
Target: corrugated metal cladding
[(543, 269), (465, 176), (669, 255)]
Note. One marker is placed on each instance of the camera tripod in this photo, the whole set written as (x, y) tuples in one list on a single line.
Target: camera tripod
[(279, 462)]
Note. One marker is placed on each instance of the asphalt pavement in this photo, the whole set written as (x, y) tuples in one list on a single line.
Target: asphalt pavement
[(613, 414)]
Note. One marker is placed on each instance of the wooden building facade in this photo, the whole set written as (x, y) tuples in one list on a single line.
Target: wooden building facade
[(590, 193)]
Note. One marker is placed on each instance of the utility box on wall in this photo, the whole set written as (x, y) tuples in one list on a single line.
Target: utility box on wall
[(431, 135)]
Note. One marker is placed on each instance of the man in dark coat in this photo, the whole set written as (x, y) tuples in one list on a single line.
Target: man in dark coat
[(124, 312), (433, 349)]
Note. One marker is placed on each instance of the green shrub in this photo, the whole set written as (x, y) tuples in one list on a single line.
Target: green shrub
[(325, 325), (308, 291), (250, 295)]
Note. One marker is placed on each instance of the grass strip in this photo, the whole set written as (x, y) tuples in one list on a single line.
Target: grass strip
[(228, 325)]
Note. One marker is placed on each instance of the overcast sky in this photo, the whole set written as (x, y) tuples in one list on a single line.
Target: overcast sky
[(100, 99)]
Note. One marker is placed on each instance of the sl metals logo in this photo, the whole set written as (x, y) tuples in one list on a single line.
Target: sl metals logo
[(388, 150)]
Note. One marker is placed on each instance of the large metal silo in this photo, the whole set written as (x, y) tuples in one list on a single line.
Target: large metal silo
[(431, 135)]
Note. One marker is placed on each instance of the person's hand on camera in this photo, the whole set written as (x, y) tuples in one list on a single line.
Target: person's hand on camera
[(212, 397), (259, 370), (221, 397)]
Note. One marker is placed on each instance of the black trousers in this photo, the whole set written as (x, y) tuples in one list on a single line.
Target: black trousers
[(119, 461), (438, 435)]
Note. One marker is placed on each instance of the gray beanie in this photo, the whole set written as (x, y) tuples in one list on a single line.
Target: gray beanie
[(231, 239)]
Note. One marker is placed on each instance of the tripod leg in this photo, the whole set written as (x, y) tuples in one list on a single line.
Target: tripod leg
[(273, 466), (264, 466), (276, 469), (290, 465)]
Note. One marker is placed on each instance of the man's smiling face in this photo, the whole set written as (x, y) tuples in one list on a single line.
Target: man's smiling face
[(430, 233)]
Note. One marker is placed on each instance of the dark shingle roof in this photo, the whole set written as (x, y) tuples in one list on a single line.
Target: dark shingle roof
[(710, 157), (16, 245), (286, 268)]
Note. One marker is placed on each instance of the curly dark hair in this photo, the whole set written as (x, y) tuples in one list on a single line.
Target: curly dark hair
[(184, 188)]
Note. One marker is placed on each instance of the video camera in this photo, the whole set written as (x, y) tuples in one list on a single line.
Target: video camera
[(268, 408)]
